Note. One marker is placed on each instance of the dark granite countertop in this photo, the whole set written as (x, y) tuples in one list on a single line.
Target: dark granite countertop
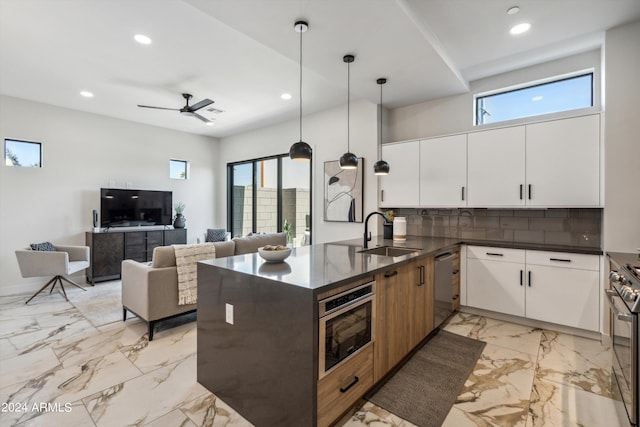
[(317, 266)]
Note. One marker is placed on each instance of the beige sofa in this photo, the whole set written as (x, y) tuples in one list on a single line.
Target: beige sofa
[(151, 291)]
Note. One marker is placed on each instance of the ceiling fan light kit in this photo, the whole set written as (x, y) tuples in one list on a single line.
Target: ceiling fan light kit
[(348, 159), (187, 110), (381, 167), (300, 150)]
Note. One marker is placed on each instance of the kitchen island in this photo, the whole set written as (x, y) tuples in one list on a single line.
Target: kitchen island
[(258, 324)]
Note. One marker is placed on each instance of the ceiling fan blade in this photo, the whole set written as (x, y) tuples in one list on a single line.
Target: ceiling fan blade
[(158, 108), (204, 119), (201, 104)]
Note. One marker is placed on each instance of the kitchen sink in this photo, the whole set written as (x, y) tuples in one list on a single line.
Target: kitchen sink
[(389, 251)]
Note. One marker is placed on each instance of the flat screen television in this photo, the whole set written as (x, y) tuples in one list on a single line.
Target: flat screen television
[(134, 208)]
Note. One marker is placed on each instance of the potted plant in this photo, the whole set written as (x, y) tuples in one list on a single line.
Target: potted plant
[(179, 221), (286, 228)]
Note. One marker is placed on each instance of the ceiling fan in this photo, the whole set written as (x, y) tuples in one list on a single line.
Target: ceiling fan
[(187, 110)]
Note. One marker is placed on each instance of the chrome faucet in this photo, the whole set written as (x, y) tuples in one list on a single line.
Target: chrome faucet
[(367, 234)]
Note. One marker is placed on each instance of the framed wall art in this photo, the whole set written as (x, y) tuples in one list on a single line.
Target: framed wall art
[(343, 192)]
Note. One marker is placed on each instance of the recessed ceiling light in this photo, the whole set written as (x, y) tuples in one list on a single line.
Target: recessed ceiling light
[(209, 123), (520, 28), (86, 94), (285, 96), (513, 10), (537, 98), (142, 39)]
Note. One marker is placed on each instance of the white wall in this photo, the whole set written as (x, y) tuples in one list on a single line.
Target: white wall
[(622, 139), (83, 152), (326, 132), (454, 114)]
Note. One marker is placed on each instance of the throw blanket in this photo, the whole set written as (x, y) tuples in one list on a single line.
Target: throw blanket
[(187, 257)]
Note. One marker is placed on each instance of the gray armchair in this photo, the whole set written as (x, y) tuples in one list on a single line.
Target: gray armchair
[(63, 261)]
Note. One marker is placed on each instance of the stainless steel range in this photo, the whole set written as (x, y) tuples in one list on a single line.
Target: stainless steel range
[(624, 300)]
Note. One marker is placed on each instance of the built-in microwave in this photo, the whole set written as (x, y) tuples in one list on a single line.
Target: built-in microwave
[(346, 325)]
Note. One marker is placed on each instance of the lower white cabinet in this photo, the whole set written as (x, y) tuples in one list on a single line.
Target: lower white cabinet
[(556, 287)]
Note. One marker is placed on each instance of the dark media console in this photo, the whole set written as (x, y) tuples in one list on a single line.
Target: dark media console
[(108, 249)]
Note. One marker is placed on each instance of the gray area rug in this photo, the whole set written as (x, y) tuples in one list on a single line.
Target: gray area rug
[(100, 304), (427, 385)]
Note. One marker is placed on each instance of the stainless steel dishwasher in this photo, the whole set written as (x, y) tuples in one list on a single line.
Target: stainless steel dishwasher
[(443, 289)]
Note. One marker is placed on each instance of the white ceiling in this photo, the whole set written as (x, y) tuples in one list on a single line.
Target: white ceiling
[(244, 53)]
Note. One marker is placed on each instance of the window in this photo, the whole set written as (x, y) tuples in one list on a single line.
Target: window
[(559, 94), (178, 169), (264, 193), (22, 153)]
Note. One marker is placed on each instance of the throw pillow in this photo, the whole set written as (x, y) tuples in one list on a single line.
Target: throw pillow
[(45, 246), (215, 235)]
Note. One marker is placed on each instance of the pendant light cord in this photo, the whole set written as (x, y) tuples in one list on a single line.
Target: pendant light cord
[(380, 144), (300, 85), (348, 102)]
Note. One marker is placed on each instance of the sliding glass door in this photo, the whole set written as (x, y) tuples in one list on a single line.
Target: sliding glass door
[(269, 195)]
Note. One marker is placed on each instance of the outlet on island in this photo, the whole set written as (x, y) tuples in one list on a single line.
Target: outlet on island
[(229, 314)]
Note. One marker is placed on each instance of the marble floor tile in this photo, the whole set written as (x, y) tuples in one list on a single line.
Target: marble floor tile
[(460, 418), (554, 404), (22, 368), (73, 414), (147, 397), (208, 410), (177, 344), (17, 325), (67, 385), (576, 361), (499, 387), (371, 415), (51, 336), (509, 335), (461, 323), (174, 418), (79, 348)]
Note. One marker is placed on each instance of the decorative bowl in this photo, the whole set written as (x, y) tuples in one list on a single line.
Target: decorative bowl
[(274, 255)]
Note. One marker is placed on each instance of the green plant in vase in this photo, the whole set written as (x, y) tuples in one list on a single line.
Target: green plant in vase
[(286, 228), (179, 221)]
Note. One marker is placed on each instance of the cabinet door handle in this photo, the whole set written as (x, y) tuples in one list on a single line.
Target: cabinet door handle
[(455, 297), (463, 193), (521, 186), (391, 274), (494, 254), (422, 275), (559, 259), (344, 389), (529, 191), (521, 276), (529, 278), (382, 195)]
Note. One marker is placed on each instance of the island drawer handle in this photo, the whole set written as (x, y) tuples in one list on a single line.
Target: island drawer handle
[(393, 273), (344, 390), (559, 259), (494, 254)]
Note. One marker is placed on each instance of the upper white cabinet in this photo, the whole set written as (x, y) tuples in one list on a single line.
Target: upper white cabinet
[(496, 167), (563, 162), (443, 171), (401, 188), (547, 164)]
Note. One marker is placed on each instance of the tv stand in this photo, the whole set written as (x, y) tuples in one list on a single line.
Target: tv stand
[(109, 248)]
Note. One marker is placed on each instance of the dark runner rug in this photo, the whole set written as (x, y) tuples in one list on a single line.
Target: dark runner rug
[(427, 385)]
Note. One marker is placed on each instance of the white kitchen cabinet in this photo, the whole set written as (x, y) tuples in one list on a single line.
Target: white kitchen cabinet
[(535, 285), (496, 167), (553, 279), (495, 279), (563, 162), (443, 171), (401, 188)]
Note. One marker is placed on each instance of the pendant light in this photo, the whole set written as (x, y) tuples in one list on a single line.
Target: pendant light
[(348, 159), (300, 150), (381, 167)]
